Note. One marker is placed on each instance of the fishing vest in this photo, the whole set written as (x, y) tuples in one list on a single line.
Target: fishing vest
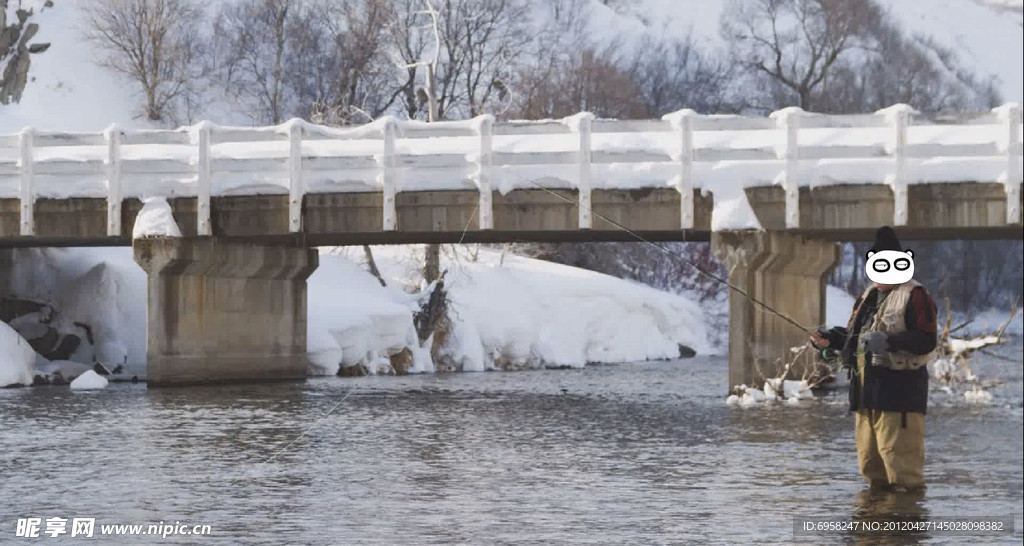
[(890, 318)]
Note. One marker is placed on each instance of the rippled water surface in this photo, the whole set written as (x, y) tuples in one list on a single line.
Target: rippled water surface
[(643, 453)]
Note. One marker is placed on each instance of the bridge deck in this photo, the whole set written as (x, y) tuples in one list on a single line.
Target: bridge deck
[(841, 213)]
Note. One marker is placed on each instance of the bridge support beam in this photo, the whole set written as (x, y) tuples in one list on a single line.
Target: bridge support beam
[(6, 271), (788, 273), (224, 312)]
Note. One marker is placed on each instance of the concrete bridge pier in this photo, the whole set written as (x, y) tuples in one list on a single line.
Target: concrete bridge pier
[(788, 273), (224, 312)]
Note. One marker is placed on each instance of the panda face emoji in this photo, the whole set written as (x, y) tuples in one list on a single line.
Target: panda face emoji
[(890, 266)]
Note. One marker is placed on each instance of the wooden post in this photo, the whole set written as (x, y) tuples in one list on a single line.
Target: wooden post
[(899, 116), (27, 191), (788, 119), (203, 181), (1011, 116), (388, 172), (296, 188), (581, 124), (682, 122), (485, 170), (114, 194)]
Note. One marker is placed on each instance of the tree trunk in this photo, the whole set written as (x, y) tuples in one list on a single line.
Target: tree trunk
[(432, 263)]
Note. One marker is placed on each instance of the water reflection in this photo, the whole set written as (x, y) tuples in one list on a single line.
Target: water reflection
[(877, 506)]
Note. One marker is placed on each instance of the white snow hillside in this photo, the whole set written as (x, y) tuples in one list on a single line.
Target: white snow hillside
[(970, 28), (66, 90), (16, 358)]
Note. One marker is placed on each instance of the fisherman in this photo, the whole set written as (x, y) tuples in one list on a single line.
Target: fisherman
[(886, 346)]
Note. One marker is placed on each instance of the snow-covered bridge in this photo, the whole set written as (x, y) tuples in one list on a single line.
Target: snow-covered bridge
[(405, 181), (250, 201)]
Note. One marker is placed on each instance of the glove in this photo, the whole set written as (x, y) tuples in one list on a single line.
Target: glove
[(875, 342)]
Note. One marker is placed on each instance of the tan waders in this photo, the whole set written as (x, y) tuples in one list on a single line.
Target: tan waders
[(890, 444)]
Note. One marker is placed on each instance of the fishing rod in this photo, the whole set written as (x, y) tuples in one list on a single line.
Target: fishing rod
[(676, 255)]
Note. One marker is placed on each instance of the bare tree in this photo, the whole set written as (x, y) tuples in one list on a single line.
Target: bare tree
[(363, 83), (675, 75), (480, 40), (254, 36), (411, 33), (155, 42), (796, 43)]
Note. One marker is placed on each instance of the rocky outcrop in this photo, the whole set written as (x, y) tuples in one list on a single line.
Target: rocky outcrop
[(15, 52)]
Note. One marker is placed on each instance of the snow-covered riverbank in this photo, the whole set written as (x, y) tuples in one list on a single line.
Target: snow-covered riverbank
[(506, 311)]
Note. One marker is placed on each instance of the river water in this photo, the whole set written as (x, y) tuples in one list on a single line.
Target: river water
[(642, 453)]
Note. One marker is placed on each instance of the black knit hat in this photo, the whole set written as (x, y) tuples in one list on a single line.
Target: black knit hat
[(885, 239)]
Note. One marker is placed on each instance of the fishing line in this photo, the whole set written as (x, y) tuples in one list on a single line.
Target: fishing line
[(317, 422), (676, 255)]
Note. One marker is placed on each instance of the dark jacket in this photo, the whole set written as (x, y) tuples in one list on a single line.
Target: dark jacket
[(886, 389)]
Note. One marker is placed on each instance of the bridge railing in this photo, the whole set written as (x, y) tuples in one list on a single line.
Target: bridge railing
[(683, 150)]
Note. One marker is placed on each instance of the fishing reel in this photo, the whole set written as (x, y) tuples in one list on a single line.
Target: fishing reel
[(828, 354)]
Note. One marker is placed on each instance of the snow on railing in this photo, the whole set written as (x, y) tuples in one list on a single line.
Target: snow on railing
[(683, 150)]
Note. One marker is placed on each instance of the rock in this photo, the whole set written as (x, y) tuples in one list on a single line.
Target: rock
[(686, 352), (48, 4), (15, 77), (30, 31), (402, 361), (12, 308), (38, 48), (45, 343), (353, 371), (29, 327), (89, 380), (8, 37), (67, 345)]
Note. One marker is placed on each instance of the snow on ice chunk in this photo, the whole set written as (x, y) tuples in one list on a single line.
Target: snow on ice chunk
[(155, 220), (89, 380), (978, 396), (16, 358), (799, 390)]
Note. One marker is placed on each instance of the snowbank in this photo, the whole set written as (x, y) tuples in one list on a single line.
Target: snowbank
[(16, 358), (353, 320), (507, 312)]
